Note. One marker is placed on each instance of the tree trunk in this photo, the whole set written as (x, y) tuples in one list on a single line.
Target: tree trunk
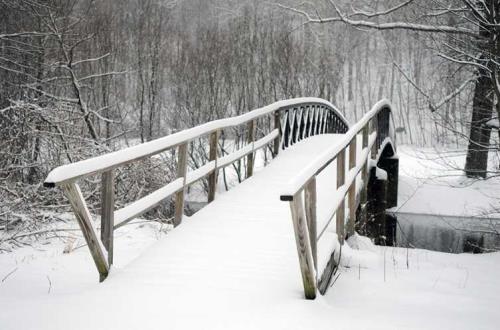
[(476, 163)]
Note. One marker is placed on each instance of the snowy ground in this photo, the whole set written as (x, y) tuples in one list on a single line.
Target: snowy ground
[(439, 208), (432, 182), (249, 279)]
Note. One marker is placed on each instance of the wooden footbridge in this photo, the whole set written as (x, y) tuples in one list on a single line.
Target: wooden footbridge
[(325, 182)]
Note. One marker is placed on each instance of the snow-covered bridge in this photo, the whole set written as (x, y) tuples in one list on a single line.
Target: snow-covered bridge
[(246, 241)]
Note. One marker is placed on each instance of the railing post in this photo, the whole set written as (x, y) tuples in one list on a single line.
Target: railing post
[(364, 178), (107, 212), (75, 197), (340, 182), (374, 128), (352, 188), (181, 173), (310, 206), (303, 246), (250, 139), (277, 140), (212, 156)]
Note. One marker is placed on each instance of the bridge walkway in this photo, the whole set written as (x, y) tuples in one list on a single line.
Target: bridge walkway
[(237, 254)]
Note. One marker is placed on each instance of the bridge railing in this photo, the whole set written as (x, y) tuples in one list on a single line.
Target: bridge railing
[(293, 121), (376, 128)]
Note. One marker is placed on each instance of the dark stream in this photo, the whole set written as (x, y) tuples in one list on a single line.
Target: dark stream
[(435, 232), (447, 233)]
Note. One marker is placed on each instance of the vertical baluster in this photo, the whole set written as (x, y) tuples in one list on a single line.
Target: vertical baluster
[(250, 140), (315, 120), (364, 178), (305, 114), (298, 120), (107, 212), (277, 140), (292, 119), (320, 120), (352, 188), (181, 173), (285, 125), (340, 182), (374, 128), (323, 129), (212, 156)]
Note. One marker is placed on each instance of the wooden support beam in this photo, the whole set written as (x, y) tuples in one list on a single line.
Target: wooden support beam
[(212, 156), (277, 140), (310, 205), (250, 139), (340, 213), (303, 246), (107, 212), (181, 173), (75, 197), (352, 189)]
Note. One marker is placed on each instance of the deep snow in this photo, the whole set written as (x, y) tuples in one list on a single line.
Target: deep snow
[(238, 269)]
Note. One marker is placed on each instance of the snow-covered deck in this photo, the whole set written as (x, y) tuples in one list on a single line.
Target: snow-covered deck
[(234, 265)]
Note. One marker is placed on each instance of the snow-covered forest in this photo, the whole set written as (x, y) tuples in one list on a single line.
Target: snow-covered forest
[(80, 78), (83, 78)]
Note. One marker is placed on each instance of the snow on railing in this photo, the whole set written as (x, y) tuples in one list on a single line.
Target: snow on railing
[(300, 192), (294, 120)]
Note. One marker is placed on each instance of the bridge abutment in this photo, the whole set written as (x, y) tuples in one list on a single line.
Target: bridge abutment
[(376, 206), (391, 166)]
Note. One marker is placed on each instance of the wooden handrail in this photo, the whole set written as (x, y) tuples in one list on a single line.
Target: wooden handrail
[(74, 171), (293, 119), (306, 232)]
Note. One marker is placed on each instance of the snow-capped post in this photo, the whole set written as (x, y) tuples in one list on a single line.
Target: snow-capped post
[(310, 205), (340, 182), (277, 140), (352, 188), (181, 173), (75, 197), (107, 212), (250, 140), (212, 156), (303, 246)]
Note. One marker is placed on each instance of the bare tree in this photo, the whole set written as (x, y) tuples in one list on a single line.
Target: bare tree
[(472, 43)]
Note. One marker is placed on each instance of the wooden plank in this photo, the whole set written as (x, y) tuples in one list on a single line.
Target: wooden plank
[(250, 140), (181, 173), (310, 205), (212, 156), (146, 203), (352, 188), (340, 213), (303, 246), (107, 212), (75, 197), (277, 140)]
